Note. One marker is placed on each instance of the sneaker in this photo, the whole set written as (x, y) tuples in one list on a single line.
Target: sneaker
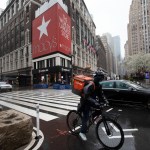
[(83, 136)]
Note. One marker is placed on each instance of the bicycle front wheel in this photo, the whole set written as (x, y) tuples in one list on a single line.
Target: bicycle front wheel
[(110, 134), (74, 122)]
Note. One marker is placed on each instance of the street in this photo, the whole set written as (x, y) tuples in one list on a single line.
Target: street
[(54, 134)]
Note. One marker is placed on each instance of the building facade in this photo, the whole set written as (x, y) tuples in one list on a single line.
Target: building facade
[(17, 63), (101, 55), (84, 57), (117, 54), (15, 39), (139, 27)]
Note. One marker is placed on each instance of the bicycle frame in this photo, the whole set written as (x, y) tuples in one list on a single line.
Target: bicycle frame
[(101, 116)]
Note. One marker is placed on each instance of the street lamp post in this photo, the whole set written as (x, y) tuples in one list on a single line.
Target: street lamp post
[(71, 68)]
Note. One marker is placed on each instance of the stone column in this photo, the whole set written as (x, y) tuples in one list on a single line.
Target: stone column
[(10, 11), (6, 17), (3, 21), (19, 5), (0, 25), (14, 8)]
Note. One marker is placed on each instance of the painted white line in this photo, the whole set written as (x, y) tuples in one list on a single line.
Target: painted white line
[(48, 106), (109, 109), (55, 100), (126, 130), (117, 137), (33, 141), (43, 116), (114, 127), (120, 110), (40, 141)]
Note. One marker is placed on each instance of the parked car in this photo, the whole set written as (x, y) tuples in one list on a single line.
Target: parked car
[(4, 86), (125, 91)]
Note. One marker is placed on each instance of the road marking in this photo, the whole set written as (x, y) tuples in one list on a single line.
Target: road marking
[(33, 141), (126, 130), (56, 108), (120, 110), (48, 99), (114, 127), (43, 116), (117, 137), (109, 109)]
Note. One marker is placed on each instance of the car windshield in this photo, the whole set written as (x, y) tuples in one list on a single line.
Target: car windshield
[(137, 86)]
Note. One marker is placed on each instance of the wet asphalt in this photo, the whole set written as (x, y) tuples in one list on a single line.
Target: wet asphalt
[(135, 121)]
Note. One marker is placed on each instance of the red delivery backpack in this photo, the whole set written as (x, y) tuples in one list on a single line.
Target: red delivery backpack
[(79, 82)]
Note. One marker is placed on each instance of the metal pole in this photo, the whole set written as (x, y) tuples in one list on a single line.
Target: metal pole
[(37, 121), (71, 70), (1, 73)]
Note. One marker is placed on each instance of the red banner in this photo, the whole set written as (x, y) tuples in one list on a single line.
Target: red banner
[(51, 32)]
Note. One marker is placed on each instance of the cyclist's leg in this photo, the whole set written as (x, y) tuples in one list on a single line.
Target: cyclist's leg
[(85, 118)]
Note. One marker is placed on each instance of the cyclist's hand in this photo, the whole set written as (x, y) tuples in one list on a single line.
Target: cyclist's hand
[(106, 102)]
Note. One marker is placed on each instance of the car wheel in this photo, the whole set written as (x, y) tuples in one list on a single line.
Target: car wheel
[(148, 104)]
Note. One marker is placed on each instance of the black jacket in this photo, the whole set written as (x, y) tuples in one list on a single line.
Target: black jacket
[(92, 94)]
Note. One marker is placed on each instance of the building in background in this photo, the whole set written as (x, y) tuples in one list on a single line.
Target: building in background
[(1, 10), (117, 54), (15, 39), (17, 62), (109, 56), (139, 27), (126, 48), (117, 47), (51, 44), (110, 42), (101, 55), (83, 52)]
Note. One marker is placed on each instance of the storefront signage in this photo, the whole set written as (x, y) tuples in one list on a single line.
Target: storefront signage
[(146, 75), (45, 70), (51, 32), (66, 70)]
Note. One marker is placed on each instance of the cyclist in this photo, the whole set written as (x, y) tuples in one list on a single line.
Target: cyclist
[(92, 96)]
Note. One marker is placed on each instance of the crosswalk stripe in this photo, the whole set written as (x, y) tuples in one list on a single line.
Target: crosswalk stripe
[(55, 100), (43, 95), (57, 105), (43, 116), (51, 103), (45, 108)]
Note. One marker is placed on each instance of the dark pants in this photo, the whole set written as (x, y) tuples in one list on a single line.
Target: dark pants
[(85, 118)]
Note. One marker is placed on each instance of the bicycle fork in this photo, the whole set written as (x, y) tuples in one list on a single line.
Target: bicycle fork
[(106, 127)]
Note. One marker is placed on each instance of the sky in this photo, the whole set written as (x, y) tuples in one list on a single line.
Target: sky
[(109, 16)]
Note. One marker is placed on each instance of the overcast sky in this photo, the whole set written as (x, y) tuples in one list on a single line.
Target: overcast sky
[(109, 16)]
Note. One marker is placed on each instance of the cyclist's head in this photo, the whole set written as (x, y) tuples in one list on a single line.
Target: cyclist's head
[(98, 76)]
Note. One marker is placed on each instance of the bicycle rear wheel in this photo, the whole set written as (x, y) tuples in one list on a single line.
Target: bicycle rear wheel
[(74, 122), (110, 134)]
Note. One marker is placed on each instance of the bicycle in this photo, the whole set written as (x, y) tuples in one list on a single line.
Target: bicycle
[(108, 130)]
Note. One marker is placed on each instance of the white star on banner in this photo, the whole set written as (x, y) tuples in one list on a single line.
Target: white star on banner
[(43, 27)]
